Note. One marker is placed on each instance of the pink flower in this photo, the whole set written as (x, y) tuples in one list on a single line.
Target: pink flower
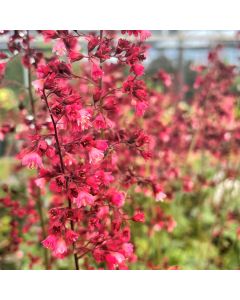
[(60, 250), (84, 119), (57, 184), (48, 34), (32, 160), (118, 199), (101, 145), (139, 217), (140, 94), (102, 212), (145, 34), (158, 226), (146, 154), (57, 245), (95, 155), (40, 182), (138, 69), (38, 84), (71, 236), (1, 136), (75, 55), (113, 259), (160, 196), (50, 242), (2, 68), (84, 199), (171, 225), (99, 122), (59, 48), (188, 185), (127, 249), (96, 72), (126, 235), (98, 255), (141, 108), (165, 77), (107, 178)]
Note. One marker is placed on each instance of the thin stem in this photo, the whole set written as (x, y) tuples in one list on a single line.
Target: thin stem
[(62, 168), (84, 78), (30, 81), (30, 93)]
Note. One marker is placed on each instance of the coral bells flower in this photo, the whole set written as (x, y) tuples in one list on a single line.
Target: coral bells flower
[(141, 108), (145, 34), (2, 68), (56, 244), (101, 145), (188, 185), (136, 89), (160, 196), (71, 236), (84, 199), (127, 249), (139, 217), (171, 224), (103, 212), (59, 48), (60, 250), (114, 259), (50, 242), (118, 198), (96, 72), (165, 77), (84, 119), (99, 122), (95, 155), (38, 84), (32, 160), (138, 69)]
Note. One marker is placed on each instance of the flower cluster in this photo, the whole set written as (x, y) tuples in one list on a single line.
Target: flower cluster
[(79, 135)]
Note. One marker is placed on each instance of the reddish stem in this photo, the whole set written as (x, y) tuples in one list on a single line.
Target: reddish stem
[(62, 169)]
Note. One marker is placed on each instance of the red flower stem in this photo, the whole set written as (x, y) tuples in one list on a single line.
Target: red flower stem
[(62, 169), (83, 78)]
